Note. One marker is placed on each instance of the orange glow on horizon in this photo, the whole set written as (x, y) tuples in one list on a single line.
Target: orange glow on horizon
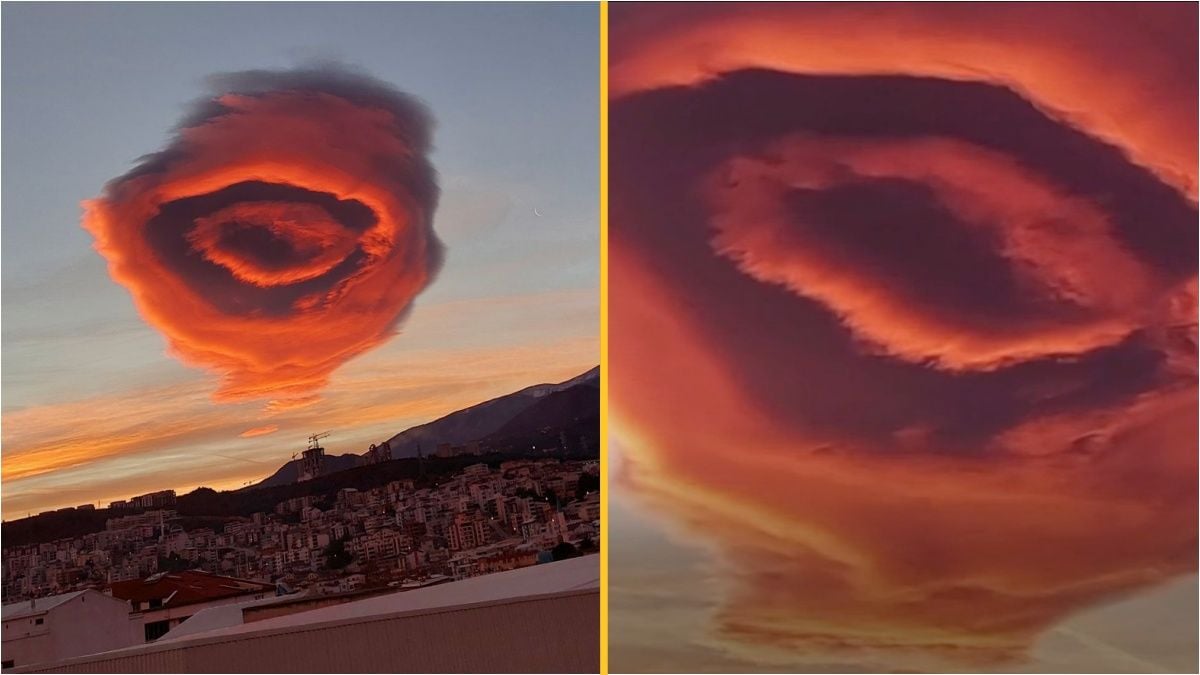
[(45, 445)]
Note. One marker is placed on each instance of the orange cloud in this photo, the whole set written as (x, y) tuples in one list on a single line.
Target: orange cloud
[(285, 230), (319, 241), (110, 447), (46, 439), (259, 431), (1054, 55), (840, 549), (903, 314), (294, 403), (1060, 247)]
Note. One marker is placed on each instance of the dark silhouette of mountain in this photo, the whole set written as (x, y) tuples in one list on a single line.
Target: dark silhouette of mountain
[(482, 420), (590, 378), (288, 473), (568, 410), (476, 423)]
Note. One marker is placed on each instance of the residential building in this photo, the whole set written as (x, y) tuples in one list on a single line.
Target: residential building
[(44, 630), (538, 619), (162, 601)]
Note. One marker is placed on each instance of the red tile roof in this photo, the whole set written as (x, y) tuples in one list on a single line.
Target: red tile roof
[(185, 588)]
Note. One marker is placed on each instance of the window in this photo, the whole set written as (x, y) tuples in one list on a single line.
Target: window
[(39, 621), (155, 603), (7, 664), (156, 630)]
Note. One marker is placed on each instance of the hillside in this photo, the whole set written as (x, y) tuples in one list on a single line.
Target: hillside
[(290, 472), (208, 508), (482, 420), (569, 411), (532, 422)]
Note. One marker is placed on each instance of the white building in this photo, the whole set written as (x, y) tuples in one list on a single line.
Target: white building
[(62, 626), (538, 619)]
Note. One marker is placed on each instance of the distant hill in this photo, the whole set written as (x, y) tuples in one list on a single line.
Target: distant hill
[(568, 411), (290, 472), (208, 508), (476, 423), (484, 419), (531, 422), (590, 378)]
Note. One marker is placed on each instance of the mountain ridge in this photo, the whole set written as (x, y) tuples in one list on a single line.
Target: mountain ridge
[(474, 423)]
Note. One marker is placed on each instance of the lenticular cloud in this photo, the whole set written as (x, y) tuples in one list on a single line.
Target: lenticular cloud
[(285, 229), (903, 315)]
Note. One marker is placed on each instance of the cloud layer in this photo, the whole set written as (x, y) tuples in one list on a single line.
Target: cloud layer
[(903, 313), (286, 228)]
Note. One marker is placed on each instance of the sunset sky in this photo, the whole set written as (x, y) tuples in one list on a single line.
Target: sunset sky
[(903, 337), (94, 408)]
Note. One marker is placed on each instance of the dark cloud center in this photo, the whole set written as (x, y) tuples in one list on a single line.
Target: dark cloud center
[(905, 237), (167, 234), (267, 248), (667, 141)]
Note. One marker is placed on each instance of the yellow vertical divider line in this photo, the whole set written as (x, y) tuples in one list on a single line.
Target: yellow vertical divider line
[(604, 493)]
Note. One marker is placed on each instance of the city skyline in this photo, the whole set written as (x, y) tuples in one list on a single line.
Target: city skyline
[(150, 577)]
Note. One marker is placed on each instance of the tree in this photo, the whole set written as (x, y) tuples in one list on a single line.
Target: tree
[(587, 483), (173, 563), (336, 555), (564, 550)]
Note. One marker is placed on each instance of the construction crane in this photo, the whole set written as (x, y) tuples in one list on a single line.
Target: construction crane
[(313, 440)]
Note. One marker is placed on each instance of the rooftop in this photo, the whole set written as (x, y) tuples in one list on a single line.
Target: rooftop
[(185, 588), (539, 619), (557, 577), (37, 606), (222, 616)]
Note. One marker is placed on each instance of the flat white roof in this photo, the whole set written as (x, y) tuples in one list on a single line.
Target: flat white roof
[(17, 610), (222, 616), (556, 577), (564, 575)]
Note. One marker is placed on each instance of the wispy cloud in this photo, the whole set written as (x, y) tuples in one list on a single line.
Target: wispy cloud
[(259, 431), (112, 445)]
